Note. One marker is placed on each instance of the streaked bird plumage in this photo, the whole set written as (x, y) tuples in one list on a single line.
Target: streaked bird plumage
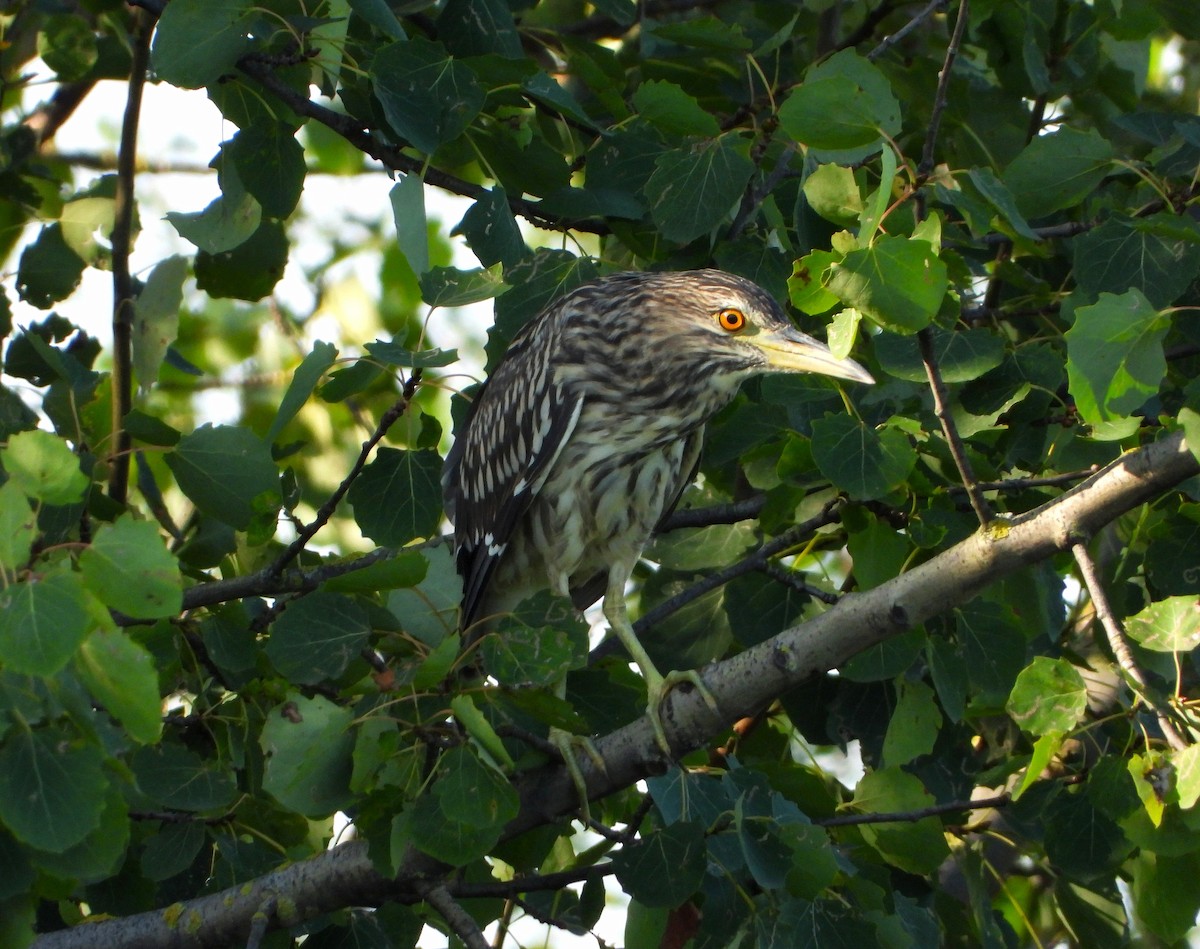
[(590, 428)]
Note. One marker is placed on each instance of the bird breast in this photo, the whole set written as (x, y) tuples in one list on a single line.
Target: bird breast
[(597, 508)]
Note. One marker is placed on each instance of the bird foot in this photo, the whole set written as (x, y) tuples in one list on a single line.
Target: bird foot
[(568, 746), (657, 688)]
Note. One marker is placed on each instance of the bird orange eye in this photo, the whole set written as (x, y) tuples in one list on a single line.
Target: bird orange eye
[(731, 320)]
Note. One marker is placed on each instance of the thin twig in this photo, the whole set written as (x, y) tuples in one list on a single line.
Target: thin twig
[(891, 40), (958, 450), (744, 510), (1022, 484), (541, 882), (795, 580), (907, 817), (943, 87), (1119, 644), (122, 237), (458, 919), (772, 548), (386, 421), (353, 131)]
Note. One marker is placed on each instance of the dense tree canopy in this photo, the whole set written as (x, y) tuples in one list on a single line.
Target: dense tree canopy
[(220, 638)]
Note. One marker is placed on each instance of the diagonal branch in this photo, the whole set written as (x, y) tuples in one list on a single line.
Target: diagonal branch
[(345, 876), (391, 156), (1120, 645)]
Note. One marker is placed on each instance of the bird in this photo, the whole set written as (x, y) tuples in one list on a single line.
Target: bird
[(589, 429)]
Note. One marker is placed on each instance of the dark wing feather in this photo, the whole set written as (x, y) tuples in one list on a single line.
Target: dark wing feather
[(518, 427)]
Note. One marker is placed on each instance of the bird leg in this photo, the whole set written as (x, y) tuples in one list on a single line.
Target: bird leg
[(657, 685), (568, 745)]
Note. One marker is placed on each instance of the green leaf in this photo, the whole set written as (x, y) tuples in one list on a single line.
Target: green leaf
[(1082, 842), (198, 41), (468, 715), (994, 648), (156, 317), (814, 861), (128, 567), (270, 164), (428, 97), (317, 637), (172, 850), (672, 111), (380, 16), (694, 548), (42, 623), (406, 569), (833, 193), (1093, 920), (1187, 776), (455, 843), (1115, 356), (1158, 255), (1058, 170), (67, 45), (1171, 625), (663, 868), (310, 371), (174, 777), (447, 286), (227, 472), (398, 496), (309, 745), (702, 32), (51, 788), (412, 226), (859, 460), (537, 644), (999, 197), (392, 353), (471, 793), (43, 467), (914, 724), (1049, 696), (122, 677), (961, 355), (250, 270), (18, 528), (100, 854), (806, 285), (915, 846), (228, 221), (695, 188), (49, 269), (1165, 895), (549, 92), (844, 102), (491, 230), (899, 283), (478, 27)]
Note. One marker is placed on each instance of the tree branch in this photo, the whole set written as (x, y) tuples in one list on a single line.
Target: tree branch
[(1120, 645), (345, 876), (122, 237), (394, 158), (386, 421)]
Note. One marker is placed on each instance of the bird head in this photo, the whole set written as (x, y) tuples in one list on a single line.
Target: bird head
[(732, 327)]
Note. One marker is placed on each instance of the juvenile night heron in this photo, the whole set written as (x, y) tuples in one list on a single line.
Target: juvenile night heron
[(590, 428)]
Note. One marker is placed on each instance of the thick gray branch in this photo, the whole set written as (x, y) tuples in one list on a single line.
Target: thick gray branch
[(344, 876)]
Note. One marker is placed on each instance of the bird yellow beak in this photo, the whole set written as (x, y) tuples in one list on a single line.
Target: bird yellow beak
[(789, 350)]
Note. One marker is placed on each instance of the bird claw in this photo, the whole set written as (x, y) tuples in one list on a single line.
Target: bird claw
[(567, 745), (656, 692)]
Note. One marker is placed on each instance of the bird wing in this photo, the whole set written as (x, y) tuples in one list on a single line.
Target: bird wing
[(498, 464)]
